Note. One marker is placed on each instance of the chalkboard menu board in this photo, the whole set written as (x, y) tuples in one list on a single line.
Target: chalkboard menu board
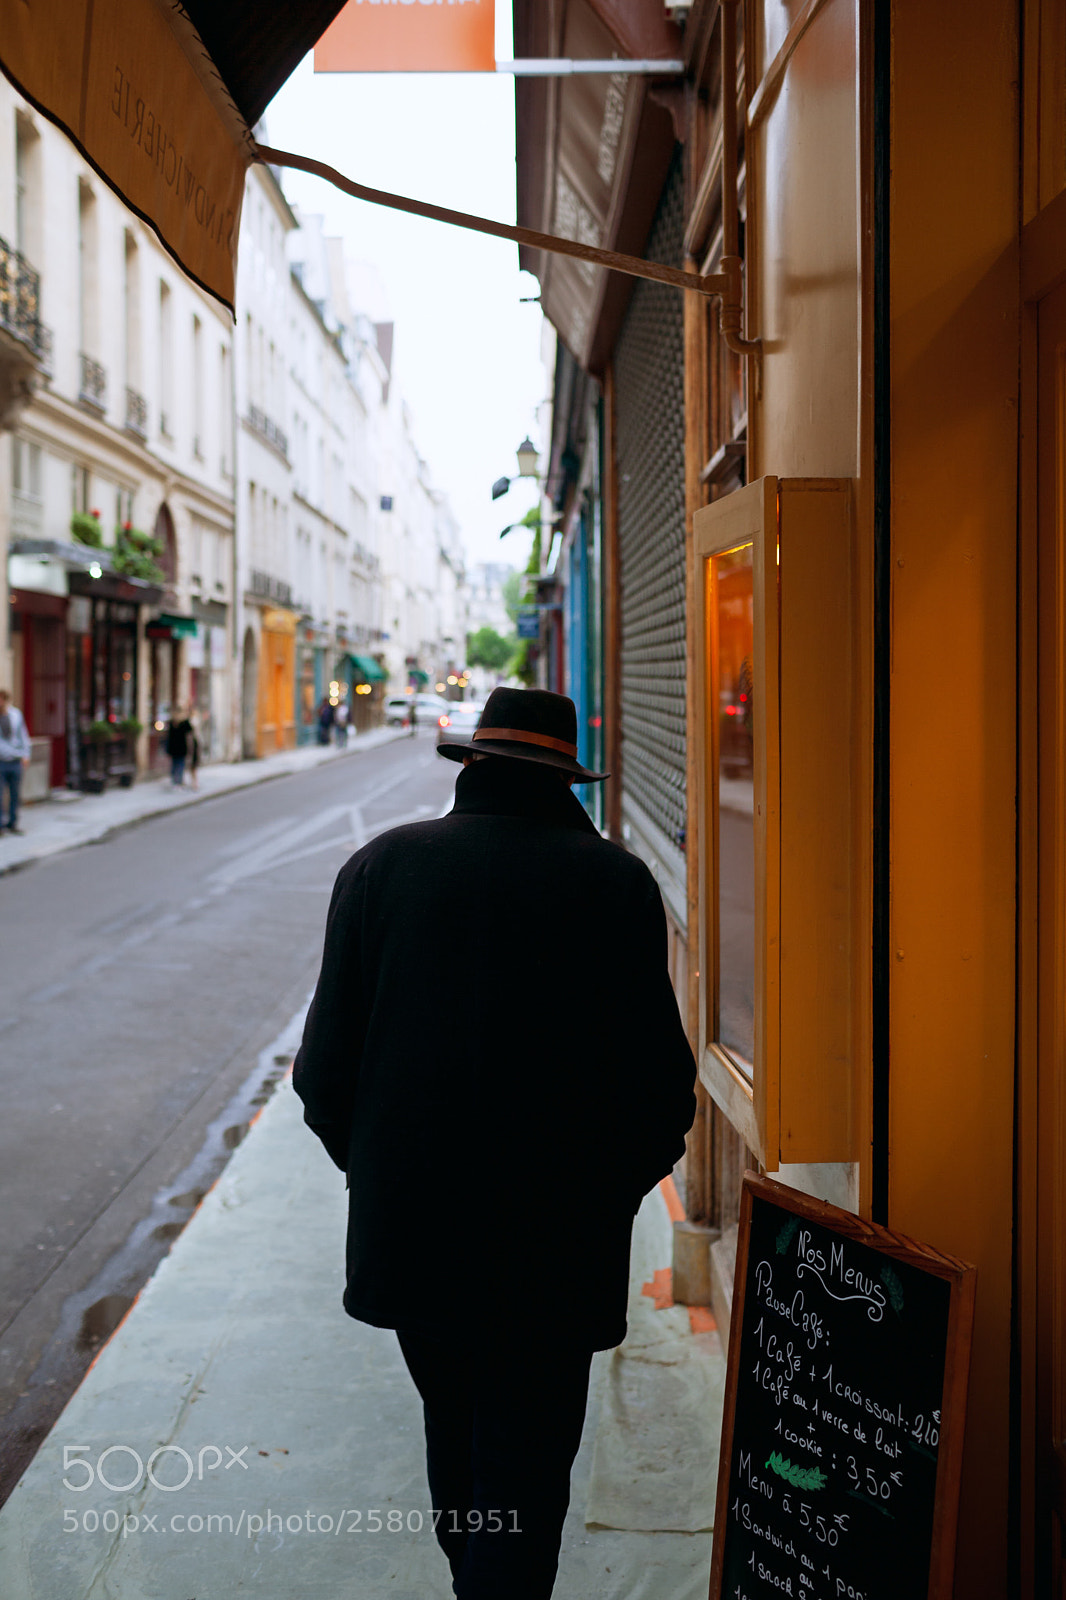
[(845, 1404)]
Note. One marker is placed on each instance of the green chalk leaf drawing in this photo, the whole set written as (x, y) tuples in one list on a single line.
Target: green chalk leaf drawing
[(799, 1477), (894, 1287), (785, 1237)]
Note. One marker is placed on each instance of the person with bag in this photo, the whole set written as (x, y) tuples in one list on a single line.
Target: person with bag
[(477, 1146)]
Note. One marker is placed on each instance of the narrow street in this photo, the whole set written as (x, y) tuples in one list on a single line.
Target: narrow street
[(145, 980)]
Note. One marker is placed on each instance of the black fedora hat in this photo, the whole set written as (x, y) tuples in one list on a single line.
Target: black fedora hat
[(530, 725)]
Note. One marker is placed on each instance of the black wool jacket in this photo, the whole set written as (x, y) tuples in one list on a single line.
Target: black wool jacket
[(495, 1058)]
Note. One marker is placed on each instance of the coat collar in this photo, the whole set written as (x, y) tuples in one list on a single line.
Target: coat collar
[(500, 787)]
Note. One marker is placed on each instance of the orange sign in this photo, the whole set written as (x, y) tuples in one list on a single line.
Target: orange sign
[(410, 36)]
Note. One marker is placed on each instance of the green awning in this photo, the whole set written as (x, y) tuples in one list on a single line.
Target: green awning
[(416, 675), (180, 627), (369, 669)]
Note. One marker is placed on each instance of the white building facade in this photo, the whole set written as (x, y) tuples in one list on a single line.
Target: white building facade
[(196, 516), (116, 487)]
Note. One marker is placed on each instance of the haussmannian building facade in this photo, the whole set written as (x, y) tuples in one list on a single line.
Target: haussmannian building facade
[(196, 513)]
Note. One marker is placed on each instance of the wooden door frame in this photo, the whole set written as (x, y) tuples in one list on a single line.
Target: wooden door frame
[(1041, 920)]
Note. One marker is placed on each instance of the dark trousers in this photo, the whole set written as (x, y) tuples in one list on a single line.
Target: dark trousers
[(11, 779), (503, 1423)]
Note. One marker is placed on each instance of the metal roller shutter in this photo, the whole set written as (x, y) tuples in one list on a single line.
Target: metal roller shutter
[(649, 371)]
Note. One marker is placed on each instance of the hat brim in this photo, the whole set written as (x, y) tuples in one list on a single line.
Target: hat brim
[(507, 747)]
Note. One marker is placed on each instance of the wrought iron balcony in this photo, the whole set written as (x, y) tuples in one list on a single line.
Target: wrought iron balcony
[(268, 429), (266, 587), (136, 413), (20, 299), (93, 386)]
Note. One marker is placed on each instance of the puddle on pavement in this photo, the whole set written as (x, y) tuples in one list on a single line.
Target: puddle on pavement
[(167, 1232), (100, 1320)]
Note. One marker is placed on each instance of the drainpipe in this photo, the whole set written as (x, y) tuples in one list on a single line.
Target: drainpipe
[(731, 305)]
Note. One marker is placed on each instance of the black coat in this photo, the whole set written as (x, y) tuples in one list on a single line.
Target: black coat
[(177, 738), (494, 1056)]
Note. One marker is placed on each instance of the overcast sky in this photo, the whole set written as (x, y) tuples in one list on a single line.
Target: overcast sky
[(467, 353)]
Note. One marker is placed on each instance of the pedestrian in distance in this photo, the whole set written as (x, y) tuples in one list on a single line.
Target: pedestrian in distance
[(179, 732), (340, 723), (412, 715), (194, 750), (496, 1156), (15, 751), (325, 721)]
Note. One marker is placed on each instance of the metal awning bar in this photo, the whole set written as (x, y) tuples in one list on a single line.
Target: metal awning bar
[(554, 67), (714, 284)]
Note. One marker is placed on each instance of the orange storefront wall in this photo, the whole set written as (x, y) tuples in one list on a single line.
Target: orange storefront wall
[(277, 683)]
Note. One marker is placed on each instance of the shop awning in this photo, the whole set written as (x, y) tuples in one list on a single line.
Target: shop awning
[(179, 627), (160, 99), (369, 669), (416, 675)]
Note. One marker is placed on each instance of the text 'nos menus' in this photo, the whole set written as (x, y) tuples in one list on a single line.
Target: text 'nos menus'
[(836, 1401)]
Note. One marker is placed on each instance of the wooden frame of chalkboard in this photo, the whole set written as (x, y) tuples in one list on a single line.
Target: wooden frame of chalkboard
[(845, 1406)]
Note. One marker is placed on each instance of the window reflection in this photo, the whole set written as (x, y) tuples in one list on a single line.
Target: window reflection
[(734, 641)]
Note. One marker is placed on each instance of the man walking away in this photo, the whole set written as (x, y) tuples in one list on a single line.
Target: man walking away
[(15, 750), (412, 715), (179, 734), (496, 1156), (340, 724)]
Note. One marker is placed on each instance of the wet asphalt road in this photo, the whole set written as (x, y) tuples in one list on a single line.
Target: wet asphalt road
[(142, 980)]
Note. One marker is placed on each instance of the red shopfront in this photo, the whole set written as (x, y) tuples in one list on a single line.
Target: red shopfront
[(39, 638)]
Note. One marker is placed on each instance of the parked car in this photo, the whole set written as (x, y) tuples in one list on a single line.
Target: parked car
[(456, 725), (428, 707)]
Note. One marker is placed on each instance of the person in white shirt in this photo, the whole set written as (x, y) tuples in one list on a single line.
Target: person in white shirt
[(14, 755)]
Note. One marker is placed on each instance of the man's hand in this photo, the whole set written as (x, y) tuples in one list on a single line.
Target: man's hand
[(25, 761)]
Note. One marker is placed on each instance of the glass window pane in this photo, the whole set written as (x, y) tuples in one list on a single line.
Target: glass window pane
[(734, 636)]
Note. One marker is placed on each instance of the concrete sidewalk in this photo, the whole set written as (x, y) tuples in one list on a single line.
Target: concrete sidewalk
[(69, 819), (285, 1441)]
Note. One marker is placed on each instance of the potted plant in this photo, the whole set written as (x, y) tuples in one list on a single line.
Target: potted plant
[(136, 554), (85, 529)]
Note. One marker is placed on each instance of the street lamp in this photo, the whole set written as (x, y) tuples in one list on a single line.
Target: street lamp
[(527, 467)]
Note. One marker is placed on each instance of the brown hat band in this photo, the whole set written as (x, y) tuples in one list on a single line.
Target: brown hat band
[(523, 737)]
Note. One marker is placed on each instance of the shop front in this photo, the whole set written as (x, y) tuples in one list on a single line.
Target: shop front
[(102, 678), (206, 655), (39, 640), (833, 622), (276, 725), (166, 634), (364, 680), (312, 678)]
